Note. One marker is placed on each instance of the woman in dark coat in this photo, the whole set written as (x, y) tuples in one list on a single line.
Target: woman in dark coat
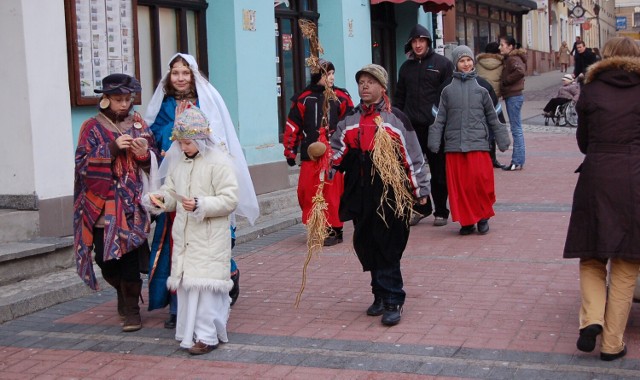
[(605, 218)]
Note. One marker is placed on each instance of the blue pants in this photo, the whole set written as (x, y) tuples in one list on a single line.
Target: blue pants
[(514, 106)]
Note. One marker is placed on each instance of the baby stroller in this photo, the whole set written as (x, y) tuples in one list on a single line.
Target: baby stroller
[(564, 114)]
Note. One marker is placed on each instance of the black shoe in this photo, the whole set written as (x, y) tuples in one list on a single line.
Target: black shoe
[(610, 357), (512, 167), (467, 230), (391, 315), (171, 322), (497, 164), (587, 340), (235, 291), (483, 226), (335, 237), (376, 308)]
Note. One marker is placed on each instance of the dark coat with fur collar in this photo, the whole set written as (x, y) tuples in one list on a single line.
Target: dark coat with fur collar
[(605, 218)]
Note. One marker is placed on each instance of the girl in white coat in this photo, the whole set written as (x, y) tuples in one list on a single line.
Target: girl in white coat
[(200, 185)]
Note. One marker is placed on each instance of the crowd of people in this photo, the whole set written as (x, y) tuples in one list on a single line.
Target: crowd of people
[(182, 168)]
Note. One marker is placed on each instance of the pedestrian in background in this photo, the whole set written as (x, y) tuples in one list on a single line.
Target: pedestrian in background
[(377, 149), (489, 66), (114, 158), (419, 79), (511, 88), (200, 186), (584, 58), (564, 55), (605, 217), (466, 113), (570, 90), (303, 128)]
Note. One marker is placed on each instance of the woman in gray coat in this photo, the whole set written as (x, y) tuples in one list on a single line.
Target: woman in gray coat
[(466, 112), (605, 218)]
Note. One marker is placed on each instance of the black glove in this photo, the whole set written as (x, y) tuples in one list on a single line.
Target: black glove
[(291, 161)]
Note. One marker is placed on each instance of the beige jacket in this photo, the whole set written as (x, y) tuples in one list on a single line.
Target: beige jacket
[(489, 67)]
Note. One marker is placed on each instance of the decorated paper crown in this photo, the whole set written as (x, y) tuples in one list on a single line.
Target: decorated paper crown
[(192, 124)]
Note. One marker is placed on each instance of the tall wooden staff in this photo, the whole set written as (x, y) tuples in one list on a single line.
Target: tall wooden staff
[(320, 152)]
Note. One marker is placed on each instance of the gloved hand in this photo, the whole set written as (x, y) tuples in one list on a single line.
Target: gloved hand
[(331, 174), (291, 161)]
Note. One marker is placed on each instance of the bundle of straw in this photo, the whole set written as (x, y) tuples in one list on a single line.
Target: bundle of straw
[(317, 224), (385, 154)]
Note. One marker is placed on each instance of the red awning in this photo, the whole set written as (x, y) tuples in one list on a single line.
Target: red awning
[(434, 6)]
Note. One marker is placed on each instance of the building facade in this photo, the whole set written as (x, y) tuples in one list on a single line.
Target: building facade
[(252, 52)]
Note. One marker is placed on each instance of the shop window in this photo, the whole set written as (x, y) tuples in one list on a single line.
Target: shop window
[(166, 27), (460, 31), (292, 74)]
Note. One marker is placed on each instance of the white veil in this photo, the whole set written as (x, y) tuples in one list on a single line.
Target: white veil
[(213, 106)]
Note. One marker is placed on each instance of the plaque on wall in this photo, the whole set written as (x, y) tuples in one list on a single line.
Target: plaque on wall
[(101, 40)]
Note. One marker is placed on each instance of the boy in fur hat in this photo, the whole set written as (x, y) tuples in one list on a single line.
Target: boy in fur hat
[(378, 150)]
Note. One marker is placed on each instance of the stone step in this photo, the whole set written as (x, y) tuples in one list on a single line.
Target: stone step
[(16, 225), (31, 258)]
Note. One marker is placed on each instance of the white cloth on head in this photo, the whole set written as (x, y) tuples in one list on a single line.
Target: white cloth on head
[(213, 106)]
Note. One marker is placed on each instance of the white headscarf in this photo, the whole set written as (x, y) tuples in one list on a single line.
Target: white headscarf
[(213, 106)]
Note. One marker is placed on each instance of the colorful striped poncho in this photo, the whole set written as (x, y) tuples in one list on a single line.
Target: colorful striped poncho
[(111, 186)]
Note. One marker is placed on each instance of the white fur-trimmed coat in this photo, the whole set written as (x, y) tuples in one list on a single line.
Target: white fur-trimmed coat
[(202, 239)]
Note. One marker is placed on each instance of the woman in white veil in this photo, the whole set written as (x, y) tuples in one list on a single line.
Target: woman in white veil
[(213, 106), (181, 86)]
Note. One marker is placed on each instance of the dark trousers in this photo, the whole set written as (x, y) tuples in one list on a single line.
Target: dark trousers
[(438, 182), (127, 267), (555, 103), (387, 284)]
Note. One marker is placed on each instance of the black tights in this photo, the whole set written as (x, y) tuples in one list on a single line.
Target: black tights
[(127, 267)]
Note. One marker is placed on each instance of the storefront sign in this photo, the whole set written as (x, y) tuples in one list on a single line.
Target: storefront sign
[(621, 23)]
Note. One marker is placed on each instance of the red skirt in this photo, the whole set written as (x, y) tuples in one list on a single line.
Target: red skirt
[(307, 186), (471, 187)]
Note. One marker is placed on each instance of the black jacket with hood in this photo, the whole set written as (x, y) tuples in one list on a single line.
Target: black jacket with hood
[(418, 82)]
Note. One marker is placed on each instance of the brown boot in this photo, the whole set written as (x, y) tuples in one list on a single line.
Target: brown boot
[(131, 293), (115, 282)]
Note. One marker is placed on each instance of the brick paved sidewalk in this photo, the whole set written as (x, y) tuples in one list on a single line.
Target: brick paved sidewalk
[(498, 306)]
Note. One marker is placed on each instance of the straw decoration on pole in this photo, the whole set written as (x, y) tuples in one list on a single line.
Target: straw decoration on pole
[(320, 152)]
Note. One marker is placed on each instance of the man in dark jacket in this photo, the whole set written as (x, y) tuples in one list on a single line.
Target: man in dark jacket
[(418, 82), (584, 58)]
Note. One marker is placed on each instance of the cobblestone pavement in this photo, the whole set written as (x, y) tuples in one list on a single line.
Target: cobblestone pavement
[(499, 306)]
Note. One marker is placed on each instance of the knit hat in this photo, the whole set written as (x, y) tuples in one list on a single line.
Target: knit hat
[(119, 84), (326, 67), (459, 52), (567, 78), (375, 71), (192, 124)]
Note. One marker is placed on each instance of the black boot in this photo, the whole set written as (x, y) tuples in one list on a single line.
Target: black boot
[(392, 314), (235, 291), (170, 323), (492, 153), (115, 282), (376, 307), (335, 237), (131, 293)]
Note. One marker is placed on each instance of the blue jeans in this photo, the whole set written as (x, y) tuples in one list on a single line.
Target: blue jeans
[(514, 106), (387, 284)]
